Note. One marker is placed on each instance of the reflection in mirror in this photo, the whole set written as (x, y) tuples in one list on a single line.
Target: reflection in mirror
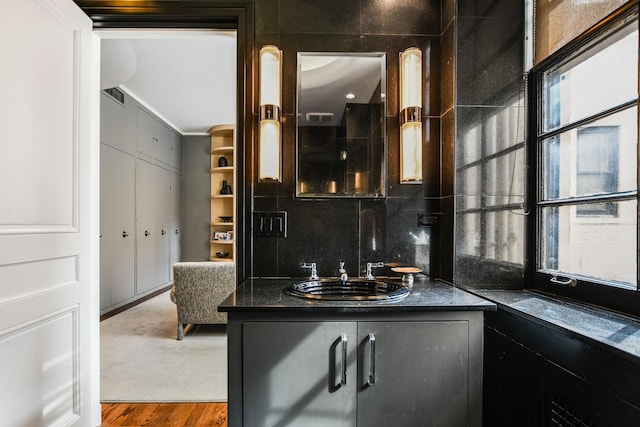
[(341, 125)]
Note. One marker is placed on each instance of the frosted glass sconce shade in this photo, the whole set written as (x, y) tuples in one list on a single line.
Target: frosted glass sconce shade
[(411, 116), (269, 143)]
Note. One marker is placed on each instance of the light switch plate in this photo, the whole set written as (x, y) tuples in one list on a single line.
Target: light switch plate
[(270, 223)]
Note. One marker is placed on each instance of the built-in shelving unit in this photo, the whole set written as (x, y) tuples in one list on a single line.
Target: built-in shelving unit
[(223, 206)]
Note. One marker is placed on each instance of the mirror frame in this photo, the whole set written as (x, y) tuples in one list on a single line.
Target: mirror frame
[(384, 158)]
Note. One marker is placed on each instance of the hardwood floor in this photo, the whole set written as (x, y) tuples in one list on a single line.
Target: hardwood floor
[(164, 414)]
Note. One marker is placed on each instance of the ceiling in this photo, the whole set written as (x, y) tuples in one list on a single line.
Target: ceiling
[(188, 78)]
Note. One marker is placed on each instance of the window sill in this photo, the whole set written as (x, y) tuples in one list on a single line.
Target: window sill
[(601, 328)]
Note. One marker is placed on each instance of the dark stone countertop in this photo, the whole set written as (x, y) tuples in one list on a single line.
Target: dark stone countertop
[(260, 295), (599, 326)]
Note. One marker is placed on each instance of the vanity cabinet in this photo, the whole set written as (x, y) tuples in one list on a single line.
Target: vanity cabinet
[(292, 374), (420, 369)]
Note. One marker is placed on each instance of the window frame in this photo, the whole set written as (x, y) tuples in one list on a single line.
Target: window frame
[(587, 290)]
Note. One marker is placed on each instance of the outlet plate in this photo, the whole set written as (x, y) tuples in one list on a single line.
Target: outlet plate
[(426, 220)]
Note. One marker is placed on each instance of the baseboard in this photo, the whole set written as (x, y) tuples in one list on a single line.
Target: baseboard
[(134, 303)]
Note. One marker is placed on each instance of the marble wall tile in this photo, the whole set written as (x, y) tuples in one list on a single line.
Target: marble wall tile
[(321, 231), (447, 69), (320, 17), (356, 231), (405, 17), (489, 59)]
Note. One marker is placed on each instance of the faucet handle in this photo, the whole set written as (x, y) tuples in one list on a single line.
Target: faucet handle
[(314, 271), (342, 273), (369, 275)]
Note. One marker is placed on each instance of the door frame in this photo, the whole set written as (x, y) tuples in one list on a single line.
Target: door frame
[(206, 14)]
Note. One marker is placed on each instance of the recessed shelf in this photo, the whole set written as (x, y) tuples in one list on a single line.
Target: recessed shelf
[(222, 150), (222, 169), (222, 242), (223, 206)]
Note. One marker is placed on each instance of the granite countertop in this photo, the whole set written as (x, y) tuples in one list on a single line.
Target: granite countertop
[(259, 295), (600, 326)]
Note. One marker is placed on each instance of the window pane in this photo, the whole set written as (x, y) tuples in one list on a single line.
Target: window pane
[(468, 234), (600, 78), (597, 158), (469, 185), (602, 248), (503, 185), (505, 235)]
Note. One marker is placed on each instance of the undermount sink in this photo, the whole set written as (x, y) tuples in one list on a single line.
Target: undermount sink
[(355, 289)]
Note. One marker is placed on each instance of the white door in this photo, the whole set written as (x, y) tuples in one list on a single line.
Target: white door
[(49, 213), (117, 249), (176, 226), (163, 224), (147, 231)]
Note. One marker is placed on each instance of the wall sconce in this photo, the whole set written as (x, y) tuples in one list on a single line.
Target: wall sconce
[(411, 116), (269, 146)]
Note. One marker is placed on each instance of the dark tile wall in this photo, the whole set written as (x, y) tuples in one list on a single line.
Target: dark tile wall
[(327, 231), (484, 167)]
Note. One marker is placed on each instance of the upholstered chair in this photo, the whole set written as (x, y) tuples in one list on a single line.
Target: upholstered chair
[(198, 288)]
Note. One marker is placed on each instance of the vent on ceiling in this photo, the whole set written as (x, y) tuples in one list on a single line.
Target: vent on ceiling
[(319, 117), (116, 94)]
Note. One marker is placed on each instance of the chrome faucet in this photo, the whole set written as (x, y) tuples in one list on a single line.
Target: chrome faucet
[(314, 271), (343, 273), (369, 275)]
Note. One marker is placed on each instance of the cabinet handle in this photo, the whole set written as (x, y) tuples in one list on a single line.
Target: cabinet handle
[(372, 360), (177, 231), (343, 363), (125, 234), (146, 233), (163, 232)]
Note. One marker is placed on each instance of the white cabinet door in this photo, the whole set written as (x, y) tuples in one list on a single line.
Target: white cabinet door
[(153, 225), (147, 231), (147, 133), (293, 374), (155, 139), (176, 151), (117, 205), (163, 143), (176, 221), (162, 188), (113, 116)]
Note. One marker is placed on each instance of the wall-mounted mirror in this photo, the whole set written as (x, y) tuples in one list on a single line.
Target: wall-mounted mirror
[(341, 125)]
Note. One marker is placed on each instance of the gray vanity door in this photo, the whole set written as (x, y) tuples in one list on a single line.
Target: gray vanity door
[(292, 374), (413, 374)]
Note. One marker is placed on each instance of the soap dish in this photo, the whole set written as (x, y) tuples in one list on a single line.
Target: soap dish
[(407, 274)]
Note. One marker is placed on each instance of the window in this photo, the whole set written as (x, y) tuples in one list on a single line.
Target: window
[(585, 220), (489, 216), (597, 168)]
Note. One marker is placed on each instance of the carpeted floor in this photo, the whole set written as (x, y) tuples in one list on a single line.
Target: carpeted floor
[(141, 360)]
